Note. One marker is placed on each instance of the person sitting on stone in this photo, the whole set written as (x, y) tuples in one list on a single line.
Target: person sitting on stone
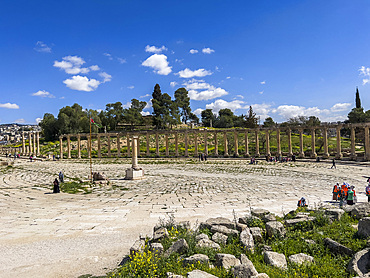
[(56, 188)]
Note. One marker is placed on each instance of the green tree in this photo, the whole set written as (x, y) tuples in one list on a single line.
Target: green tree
[(225, 118), (133, 114), (269, 122), (208, 118), (113, 114), (251, 119), (49, 127), (165, 111), (182, 100), (193, 118), (357, 115), (358, 100)]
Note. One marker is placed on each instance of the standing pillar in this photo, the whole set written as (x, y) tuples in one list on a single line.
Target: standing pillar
[(134, 153), (176, 144), (147, 145), (206, 143), (367, 144), (339, 146), (30, 142), (34, 143), (226, 153), (257, 143), (196, 144), (301, 152), (186, 143), (167, 150), (79, 145), (278, 142), (290, 151), (38, 143), (326, 148), (246, 154), (108, 141), (313, 146), (353, 143), (236, 145), (118, 145), (268, 152), (157, 144), (23, 144), (216, 144), (138, 145), (69, 146), (128, 145), (61, 147), (99, 146)]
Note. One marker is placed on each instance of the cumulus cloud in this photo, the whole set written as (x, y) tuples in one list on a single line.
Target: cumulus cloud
[(9, 105), (261, 92), (38, 120), (198, 111), (221, 104), (106, 77), (154, 49), (206, 91), (339, 107), (71, 65), (20, 121), (173, 84), (187, 73), (159, 63), (82, 83), (145, 113), (193, 51), (43, 93), (42, 47), (144, 96), (207, 50), (365, 72), (131, 87), (121, 60), (108, 55), (263, 82), (95, 68)]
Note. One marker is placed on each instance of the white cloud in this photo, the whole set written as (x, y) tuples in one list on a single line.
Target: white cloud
[(71, 65), (228, 77), (126, 105), (42, 47), (20, 121), (82, 83), (144, 96), (365, 72), (121, 60), (106, 77), (43, 93), (95, 68), (221, 104), (108, 55), (62, 98), (207, 50), (339, 107), (198, 111), (154, 49), (263, 82), (159, 63), (261, 92), (193, 51), (187, 73), (261, 110), (131, 87), (173, 84), (148, 104), (145, 113), (38, 120), (9, 105), (240, 96), (207, 91)]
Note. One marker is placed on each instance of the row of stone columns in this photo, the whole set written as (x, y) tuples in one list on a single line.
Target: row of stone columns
[(33, 146), (197, 136)]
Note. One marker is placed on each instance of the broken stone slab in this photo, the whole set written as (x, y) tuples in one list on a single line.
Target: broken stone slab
[(275, 259), (246, 239), (302, 215), (336, 247), (275, 228), (226, 260), (160, 234), (207, 243), (256, 233), (246, 219), (360, 210), (266, 248), (201, 258), (201, 236), (180, 246), (199, 274), (359, 263), (260, 275), (219, 238), (224, 230), (295, 221), (301, 258), (217, 221), (137, 247), (364, 227), (171, 275), (336, 214), (268, 217), (245, 269), (240, 227), (259, 212), (156, 247)]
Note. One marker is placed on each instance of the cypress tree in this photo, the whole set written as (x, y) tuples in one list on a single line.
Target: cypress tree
[(358, 100)]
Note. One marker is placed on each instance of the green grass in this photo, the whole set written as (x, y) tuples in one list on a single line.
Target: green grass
[(75, 187)]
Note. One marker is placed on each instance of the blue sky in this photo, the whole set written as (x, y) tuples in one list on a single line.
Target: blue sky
[(285, 58)]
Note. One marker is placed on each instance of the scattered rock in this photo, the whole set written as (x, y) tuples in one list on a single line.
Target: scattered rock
[(302, 215), (336, 214), (310, 241), (207, 243), (160, 234), (360, 210), (336, 247), (364, 227), (268, 217), (301, 258), (199, 274), (223, 230), (171, 275), (226, 260), (246, 239), (275, 228), (240, 227), (156, 248), (260, 275), (256, 233), (184, 225), (201, 258), (359, 263), (295, 221), (258, 212), (217, 221), (219, 238), (266, 248), (180, 246), (246, 269), (201, 236), (137, 247), (275, 259), (244, 220)]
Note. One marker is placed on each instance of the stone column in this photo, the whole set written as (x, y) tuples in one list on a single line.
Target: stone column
[(236, 145), (99, 146), (206, 143), (79, 145), (226, 153), (246, 154), (38, 143), (325, 137), (157, 144), (108, 141), (69, 146), (23, 144), (138, 145), (176, 144), (118, 145), (367, 144), (134, 153), (257, 143), (339, 147), (34, 143), (290, 151), (186, 144), (167, 150), (128, 145), (313, 146), (268, 152), (30, 142), (353, 143), (196, 144), (61, 147), (301, 152), (216, 144), (147, 145), (278, 142)]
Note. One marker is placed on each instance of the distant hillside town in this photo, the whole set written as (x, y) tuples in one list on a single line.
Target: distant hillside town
[(12, 133)]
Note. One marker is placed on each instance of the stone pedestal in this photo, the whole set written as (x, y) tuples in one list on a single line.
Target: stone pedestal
[(134, 173)]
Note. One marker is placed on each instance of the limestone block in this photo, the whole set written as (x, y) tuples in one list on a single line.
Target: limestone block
[(360, 210), (336, 214), (226, 260), (246, 269), (310, 241), (258, 212), (275, 259), (180, 246), (301, 258), (137, 247), (364, 227), (275, 228), (246, 239), (260, 275), (171, 275), (201, 236), (240, 227), (217, 221), (199, 274), (244, 220), (223, 230), (160, 234), (336, 247), (256, 233), (268, 217), (295, 221), (207, 243), (132, 174), (201, 258), (219, 238), (359, 263)]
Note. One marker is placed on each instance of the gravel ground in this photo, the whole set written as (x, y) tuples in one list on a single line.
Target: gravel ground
[(67, 235)]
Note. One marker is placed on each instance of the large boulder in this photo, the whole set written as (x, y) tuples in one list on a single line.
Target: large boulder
[(364, 227), (224, 230), (256, 233), (137, 247), (335, 214), (275, 259), (268, 217), (246, 269), (201, 236), (360, 262), (260, 275), (275, 228), (336, 247), (180, 246), (160, 234), (360, 210), (199, 274), (201, 258), (295, 221), (171, 275), (301, 258), (217, 221), (207, 243), (246, 239), (259, 212), (246, 219), (156, 248), (226, 260), (219, 238)]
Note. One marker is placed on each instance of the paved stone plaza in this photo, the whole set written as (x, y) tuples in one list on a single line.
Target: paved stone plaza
[(67, 235)]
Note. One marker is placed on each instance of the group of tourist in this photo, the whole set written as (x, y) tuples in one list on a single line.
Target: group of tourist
[(344, 193), (202, 157), (56, 188), (280, 158)]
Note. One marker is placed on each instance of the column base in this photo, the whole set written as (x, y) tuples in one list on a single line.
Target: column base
[(132, 174), (246, 155), (353, 157), (301, 155), (338, 156), (313, 155), (325, 155)]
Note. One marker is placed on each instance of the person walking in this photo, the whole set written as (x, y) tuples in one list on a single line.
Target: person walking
[(350, 197), (333, 164), (336, 190), (367, 189), (56, 188), (61, 177)]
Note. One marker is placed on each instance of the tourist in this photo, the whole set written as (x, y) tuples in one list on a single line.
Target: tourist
[(61, 177), (333, 164), (302, 202), (336, 192), (350, 197), (31, 158), (205, 157), (56, 186), (367, 189)]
